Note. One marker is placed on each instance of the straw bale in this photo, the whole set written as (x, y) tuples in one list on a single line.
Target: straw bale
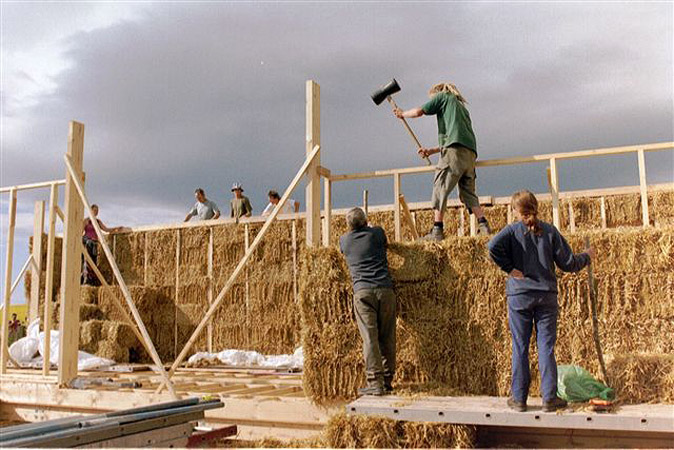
[(130, 256), (112, 350), (90, 335), (90, 312), (661, 208), (89, 294), (643, 378), (193, 254), (120, 333), (161, 260), (452, 313), (358, 431)]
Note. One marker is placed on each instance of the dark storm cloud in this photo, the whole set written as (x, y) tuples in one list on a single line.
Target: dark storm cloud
[(208, 94)]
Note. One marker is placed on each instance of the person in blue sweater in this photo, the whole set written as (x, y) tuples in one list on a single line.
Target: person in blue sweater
[(529, 250)]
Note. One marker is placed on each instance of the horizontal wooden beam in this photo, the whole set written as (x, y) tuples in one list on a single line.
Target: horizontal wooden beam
[(23, 187), (324, 172), (511, 161)]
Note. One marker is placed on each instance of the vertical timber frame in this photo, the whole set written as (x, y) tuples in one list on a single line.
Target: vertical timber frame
[(4, 354), (554, 193), (69, 324), (313, 139), (49, 277), (643, 187), (396, 207), (210, 287), (327, 201), (38, 229)]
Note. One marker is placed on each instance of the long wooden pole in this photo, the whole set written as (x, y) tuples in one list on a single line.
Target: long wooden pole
[(595, 320), (242, 263), (71, 267), (122, 284), (210, 286), (22, 272), (49, 277), (313, 189), (4, 356), (38, 229), (396, 211), (554, 193), (327, 201), (643, 188), (408, 217)]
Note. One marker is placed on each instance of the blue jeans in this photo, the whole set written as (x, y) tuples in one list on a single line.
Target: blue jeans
[(525, 311)]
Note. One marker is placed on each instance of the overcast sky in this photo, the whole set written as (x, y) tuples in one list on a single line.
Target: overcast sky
[(184, 95)]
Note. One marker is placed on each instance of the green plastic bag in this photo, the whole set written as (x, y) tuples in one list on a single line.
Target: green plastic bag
[(575, 384)]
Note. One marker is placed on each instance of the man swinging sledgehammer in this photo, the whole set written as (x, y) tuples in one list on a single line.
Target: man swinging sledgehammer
[(458, 152)]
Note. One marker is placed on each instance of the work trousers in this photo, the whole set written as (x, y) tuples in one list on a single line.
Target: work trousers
[(456, 166), (375, 311), (524, 312), (88, 274)]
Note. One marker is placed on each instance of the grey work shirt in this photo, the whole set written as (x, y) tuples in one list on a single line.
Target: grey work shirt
[(365, 252), (205, 210)]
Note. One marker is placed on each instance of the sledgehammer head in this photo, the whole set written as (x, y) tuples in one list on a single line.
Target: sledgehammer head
[(388, 89)]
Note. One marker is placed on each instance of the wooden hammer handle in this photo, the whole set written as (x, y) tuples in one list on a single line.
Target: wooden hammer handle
[(407, 127)]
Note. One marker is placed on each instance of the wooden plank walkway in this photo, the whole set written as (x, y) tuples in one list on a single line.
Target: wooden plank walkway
[(493, 411)]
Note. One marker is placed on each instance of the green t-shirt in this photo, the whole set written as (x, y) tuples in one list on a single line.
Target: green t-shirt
[(240, 207), (454, 125)]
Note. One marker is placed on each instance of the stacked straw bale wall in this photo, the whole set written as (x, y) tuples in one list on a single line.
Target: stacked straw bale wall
[(261, 312), (453, 336)]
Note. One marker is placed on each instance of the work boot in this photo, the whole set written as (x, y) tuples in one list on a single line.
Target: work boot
[(436, 234), (554, 405), (483, 228), (372, 390), (388, 387), (517, 406)]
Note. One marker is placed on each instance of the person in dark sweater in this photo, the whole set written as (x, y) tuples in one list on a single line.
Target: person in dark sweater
[(374, 301), (529, 250)]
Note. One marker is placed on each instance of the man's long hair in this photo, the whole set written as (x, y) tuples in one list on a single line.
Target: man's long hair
[(447, 87)]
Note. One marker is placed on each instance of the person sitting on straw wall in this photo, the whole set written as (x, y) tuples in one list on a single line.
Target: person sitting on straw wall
[(374, 301), (291, 206), (90, 241), (528, 251), (204, 208)]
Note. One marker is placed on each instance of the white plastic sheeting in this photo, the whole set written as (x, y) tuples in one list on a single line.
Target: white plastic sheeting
[(249, 358), (29, 350)]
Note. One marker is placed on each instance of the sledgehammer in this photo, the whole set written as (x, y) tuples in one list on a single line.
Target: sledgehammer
[(385, 92)]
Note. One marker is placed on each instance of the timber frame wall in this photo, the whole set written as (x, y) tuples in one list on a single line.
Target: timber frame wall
[(317, 233)]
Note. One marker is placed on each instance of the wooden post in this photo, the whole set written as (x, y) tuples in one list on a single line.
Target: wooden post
[(572, 217), (313, 139), (408, 217), (327, 200), (554, 193), (294, 238), (246, 243), (69, 325), (396, 207), (114, 252), (242, 263), (176, 298), (158, 365), (509, 214), (4, 355), (49, 277), (643, 187), (602, 211), (473, 224), (38, 229), (145, 260), (365, 202), (210, 287)]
